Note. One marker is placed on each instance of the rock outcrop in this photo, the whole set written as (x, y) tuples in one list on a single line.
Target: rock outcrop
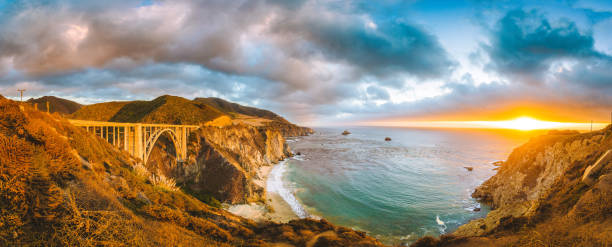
[(223, 161), (539, 194)]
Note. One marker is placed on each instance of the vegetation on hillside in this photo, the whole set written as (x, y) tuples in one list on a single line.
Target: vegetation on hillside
[(99, 112), (164, 109), (62, 106), (60, 186), (230, 108), (176, 110)]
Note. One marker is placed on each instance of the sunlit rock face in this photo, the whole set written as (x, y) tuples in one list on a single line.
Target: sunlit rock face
[(223, 161), (542, 180)]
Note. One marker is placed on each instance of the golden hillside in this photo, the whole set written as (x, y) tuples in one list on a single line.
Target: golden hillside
[(60, 186)]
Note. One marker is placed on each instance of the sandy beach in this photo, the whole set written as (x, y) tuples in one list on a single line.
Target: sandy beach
[(275, 208)]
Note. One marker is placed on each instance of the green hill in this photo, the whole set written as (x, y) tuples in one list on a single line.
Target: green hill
[(229, 108), (164, 109), (99, 112), (177, 110), (62, 106)]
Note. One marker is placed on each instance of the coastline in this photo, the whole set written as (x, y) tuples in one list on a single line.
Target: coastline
[(275, 208)]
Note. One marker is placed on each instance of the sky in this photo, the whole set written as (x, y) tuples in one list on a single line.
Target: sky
[(321, 62)]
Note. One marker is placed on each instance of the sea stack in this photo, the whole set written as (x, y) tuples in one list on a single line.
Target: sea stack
[(346, 132), (388, 139)]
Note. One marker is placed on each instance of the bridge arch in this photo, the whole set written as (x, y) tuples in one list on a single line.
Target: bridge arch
[(138, 139), (150, 143)]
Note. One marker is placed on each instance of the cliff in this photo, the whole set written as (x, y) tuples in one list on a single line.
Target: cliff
[(555, 190), (59, 105), (60, 186), (224, 154), (223, 161)]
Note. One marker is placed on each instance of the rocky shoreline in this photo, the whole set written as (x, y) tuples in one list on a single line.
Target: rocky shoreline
[(546, 192)]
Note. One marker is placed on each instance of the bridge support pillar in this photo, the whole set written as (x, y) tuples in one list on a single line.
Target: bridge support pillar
[(139, 143)]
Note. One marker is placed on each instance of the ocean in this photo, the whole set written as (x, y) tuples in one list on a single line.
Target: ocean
[(398, 190)]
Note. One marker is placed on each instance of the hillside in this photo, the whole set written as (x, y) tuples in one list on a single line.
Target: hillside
[(256, 116), (164, 109), (177, 110), (60, 186), (232, 108), (62, 106), (548, 193)]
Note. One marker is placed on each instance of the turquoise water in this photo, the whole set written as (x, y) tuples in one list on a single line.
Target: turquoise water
[(412, 186)]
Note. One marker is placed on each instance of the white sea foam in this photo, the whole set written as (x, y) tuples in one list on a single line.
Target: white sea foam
[(299, 157), (275, 184), (472, 207), (441, 224)]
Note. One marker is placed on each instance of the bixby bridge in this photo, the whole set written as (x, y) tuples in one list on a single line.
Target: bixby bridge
[(138, 139)]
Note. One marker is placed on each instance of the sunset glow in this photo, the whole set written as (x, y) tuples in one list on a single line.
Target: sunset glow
[(523, 123)]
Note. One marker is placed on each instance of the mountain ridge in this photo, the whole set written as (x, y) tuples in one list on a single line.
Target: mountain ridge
[(56, 104), (177, 110)]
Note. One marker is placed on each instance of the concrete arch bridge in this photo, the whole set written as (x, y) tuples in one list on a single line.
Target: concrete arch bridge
[(138, 139)]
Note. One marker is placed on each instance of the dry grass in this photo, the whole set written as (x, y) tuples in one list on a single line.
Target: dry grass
[(157, 179)]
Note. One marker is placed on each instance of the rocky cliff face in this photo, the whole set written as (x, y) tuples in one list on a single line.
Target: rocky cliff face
[(289, 129), (539, 194), (223, 161)]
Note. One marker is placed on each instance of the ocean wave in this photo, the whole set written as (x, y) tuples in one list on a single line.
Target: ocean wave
[(275, 184), (299, 157), (441, 224), (472, 207)]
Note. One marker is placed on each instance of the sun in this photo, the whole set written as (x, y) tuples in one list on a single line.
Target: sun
[(525, 123)]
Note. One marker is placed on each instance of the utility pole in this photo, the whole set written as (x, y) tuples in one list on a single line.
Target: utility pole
[(21, 93)]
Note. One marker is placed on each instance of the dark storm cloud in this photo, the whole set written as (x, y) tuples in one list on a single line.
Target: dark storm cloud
[(573, 81), (526, 43), (378, 48)]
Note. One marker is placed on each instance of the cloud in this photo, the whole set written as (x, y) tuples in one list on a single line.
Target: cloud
[(297, 50), (308, 59), (382, 49), (546, 69), (377, 93), (273, 40), (526, 43)]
